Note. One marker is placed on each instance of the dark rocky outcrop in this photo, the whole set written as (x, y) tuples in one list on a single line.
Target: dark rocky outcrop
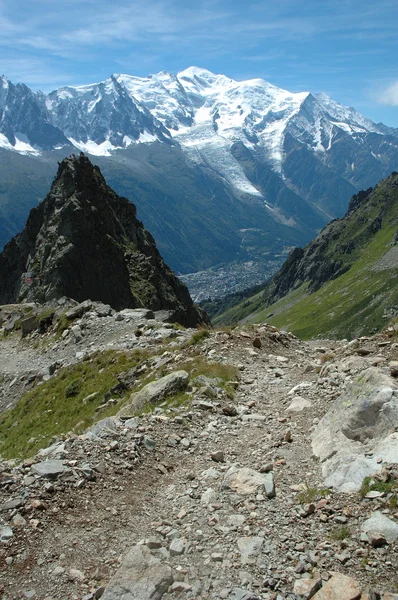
[(84, 241)]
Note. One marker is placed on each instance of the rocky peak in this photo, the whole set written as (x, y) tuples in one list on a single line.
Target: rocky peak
[(84, 241)]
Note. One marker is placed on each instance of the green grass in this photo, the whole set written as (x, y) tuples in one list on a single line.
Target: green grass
[(226, 374), (55, 407), (197, 337), (342, 533), (373, 485), (312, 494), (351, 305)]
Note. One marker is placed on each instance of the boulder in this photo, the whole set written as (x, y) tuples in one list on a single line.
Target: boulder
[(156, 391), (50, 468), (379, 525), (306, 588), (365, 413), (244, 481), (339, 587), (140, 577), (298, 404)]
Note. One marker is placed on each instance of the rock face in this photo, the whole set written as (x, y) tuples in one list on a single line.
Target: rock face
[(84, 241), (366, 412)]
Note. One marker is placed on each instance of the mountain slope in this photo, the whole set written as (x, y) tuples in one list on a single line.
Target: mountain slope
[(84, 241), (344, 282), (227, 171)]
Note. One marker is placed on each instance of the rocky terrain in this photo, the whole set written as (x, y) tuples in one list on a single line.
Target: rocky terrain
[(231, 493)]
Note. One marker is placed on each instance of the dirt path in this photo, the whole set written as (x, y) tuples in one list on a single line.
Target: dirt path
[(73, 542)]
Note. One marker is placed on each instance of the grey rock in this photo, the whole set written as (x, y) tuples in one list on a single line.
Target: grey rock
[(6, 533), (379, 524), (14, 503), (298, 404), (218, 456), (176, 547), (156, 391), (365, 412), (306, 588), (104, 428), (137, 314), (77, 333), (269, 485), (243, 480), (140, 577), (78, 311), (240, 594), (149, 443), (249, 546), (50, 468), (209, 496)]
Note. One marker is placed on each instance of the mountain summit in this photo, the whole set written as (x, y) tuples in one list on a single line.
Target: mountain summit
[(223, 172), (84, 241)]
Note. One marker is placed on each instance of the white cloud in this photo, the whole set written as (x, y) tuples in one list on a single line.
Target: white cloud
[(389, 95)]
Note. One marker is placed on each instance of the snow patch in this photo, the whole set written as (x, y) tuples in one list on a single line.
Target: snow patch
[(22, 145), (90, 147)]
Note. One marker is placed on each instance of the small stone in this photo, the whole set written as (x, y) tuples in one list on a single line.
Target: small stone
[(177, 547), (341, 520), (58, 571), (18, 520), (217, 557), (230, 410), (379, 525), (257, 342), (10, 504), (6, 533), (153, 543), (393, 366), (377, 540), (76, 575), (298, 404), (218, 456), (50, 468), (149, 443), (269, 485), (209, 496), (287, 437), (180, 586), (249, 546)]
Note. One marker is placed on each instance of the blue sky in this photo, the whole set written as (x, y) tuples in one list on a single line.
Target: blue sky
[(346, 48)]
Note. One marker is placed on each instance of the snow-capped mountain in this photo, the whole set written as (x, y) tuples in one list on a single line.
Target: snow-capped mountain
[(296, 157)]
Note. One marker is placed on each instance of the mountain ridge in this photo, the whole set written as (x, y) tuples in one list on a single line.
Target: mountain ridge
[(341, 283), (288, 162)]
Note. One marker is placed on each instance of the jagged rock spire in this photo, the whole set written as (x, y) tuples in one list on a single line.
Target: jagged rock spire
[(84, 241)]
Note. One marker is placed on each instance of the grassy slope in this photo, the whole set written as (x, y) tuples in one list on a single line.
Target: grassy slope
[(352, 304), (58, 405)]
